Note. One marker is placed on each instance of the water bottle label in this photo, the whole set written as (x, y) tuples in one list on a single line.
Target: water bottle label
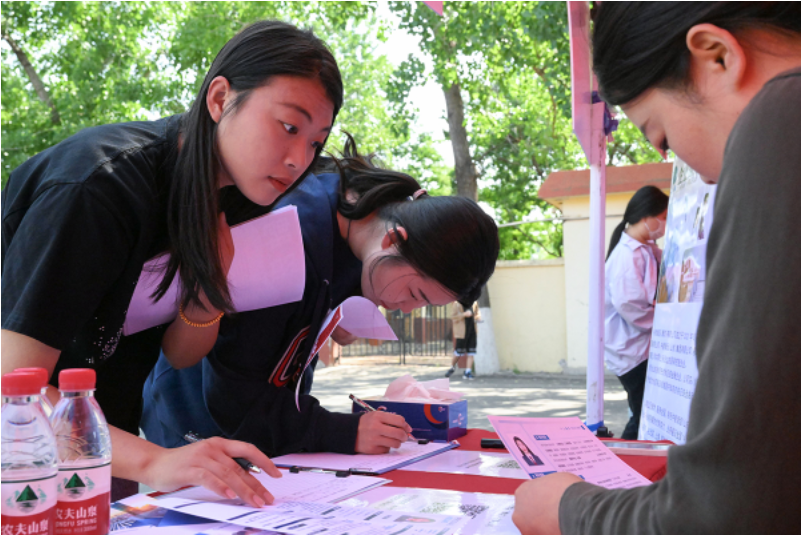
[(29, 507), (83, 501)]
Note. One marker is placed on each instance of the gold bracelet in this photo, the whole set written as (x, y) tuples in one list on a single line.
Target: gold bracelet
[(194, 324)]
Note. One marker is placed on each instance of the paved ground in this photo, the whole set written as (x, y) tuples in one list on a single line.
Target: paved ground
[(533, 395)]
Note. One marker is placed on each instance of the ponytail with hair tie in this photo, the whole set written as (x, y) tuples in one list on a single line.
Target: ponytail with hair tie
[(449, 239), (417, 194)]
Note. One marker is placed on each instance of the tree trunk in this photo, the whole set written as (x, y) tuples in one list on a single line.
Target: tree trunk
[(486, 361), (39, 87), (466, 174)]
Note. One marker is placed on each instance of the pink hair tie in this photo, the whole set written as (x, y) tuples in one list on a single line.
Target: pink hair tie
[(418, 193)]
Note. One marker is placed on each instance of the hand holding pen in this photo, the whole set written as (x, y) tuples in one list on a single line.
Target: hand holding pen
[(192, 438), (379, 431), (209, 463)]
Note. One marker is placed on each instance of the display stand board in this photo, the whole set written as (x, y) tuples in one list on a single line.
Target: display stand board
[(672, 368)]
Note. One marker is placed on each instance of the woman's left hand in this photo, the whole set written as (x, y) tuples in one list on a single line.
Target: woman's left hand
[(342, 337), (536, 504)]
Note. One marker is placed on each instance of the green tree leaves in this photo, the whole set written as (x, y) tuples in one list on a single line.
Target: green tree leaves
[(102, 62)]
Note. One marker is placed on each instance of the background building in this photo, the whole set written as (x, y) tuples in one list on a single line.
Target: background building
[(540, 307)]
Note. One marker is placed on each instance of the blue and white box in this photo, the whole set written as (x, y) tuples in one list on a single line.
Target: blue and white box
[(440, 420)]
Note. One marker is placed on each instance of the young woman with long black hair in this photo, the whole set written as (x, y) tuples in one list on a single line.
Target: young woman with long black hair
[(367, 231), (630, 285), (81, 218), (719, 84)]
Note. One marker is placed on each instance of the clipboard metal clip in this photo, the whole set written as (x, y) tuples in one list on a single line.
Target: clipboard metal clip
[(338, 473)]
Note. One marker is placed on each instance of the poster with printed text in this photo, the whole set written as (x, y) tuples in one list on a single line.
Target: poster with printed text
[(672, 370)]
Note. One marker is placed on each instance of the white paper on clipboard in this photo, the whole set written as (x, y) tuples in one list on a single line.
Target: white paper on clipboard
[(268, 269), (356, 315)]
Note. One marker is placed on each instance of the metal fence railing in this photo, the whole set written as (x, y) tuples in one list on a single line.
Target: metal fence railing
[(425, 331)]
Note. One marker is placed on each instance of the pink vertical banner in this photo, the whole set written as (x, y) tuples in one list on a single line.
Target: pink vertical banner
[(588, 119), (588, 125), (438, 7)]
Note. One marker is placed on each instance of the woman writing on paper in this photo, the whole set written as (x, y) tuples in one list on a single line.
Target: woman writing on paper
[(81, 218), (630, 286), (367, 231), (719, 84)]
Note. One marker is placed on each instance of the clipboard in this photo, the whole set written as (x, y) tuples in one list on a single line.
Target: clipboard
[(363, 464)]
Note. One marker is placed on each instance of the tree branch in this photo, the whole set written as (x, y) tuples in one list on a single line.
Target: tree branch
[(39, 87), (541, 73)]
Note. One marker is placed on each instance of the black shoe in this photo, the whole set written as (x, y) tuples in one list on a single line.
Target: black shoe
[(468, 375), (449, 372)]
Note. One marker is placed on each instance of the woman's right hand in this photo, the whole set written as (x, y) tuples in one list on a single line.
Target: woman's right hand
[(209, 463), (380, 431)]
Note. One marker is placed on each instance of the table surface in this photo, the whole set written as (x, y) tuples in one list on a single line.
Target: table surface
[(653, 468)]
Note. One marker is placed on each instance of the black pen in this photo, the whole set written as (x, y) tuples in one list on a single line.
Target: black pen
[(192, 438), (361, 403)]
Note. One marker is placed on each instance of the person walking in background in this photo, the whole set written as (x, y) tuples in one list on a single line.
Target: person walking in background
[(464, 332), (630, 287), (457, 317)]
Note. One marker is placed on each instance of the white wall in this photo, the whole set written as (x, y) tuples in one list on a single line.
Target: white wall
[(528, 306)]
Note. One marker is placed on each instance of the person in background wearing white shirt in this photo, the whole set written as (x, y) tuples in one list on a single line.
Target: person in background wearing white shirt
[(631, 285)]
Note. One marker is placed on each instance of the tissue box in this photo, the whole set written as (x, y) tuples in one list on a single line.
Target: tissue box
[(440, 420)]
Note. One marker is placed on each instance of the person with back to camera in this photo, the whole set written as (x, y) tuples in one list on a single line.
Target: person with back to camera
[(366, 231), (82, 217), (719, 84), (630, 284), (466, 336)]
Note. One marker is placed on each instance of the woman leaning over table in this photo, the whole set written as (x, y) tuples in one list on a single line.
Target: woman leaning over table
[(81, 218)]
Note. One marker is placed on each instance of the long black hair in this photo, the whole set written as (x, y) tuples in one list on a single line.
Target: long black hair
[(450, 239), (648, 201), (640, 45), (248, 61)]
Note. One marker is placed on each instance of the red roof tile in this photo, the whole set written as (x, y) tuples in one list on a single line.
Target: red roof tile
[(619, 179)]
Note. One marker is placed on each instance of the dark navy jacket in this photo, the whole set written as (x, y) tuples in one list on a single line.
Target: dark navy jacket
[(244, 389)]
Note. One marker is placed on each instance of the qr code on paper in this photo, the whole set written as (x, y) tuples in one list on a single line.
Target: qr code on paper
[(472, 510)]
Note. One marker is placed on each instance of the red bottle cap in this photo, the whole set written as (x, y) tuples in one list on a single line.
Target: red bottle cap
[(76, 379), (40, 371), (22, 384)]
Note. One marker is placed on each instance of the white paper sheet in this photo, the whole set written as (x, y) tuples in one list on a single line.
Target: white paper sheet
[(301, 487), (141, 514), (407, 453), (488, 514), (478, 463), (304, 518), (194, 529), (359, 317), (268, 269), (543, 446)]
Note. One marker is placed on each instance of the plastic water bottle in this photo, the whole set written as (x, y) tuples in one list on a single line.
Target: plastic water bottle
[(29, 464), (84, 450), (44, 402)]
